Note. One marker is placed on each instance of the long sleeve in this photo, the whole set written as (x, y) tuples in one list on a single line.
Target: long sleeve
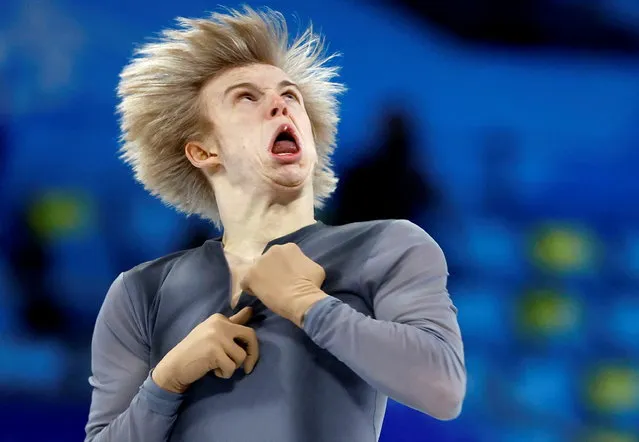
[(126, 405), (412, 349)]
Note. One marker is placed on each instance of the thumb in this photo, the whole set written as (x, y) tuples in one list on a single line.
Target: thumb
[(244, 284), (242, 317)]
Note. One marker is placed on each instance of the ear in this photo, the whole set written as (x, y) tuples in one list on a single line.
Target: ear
[(200, 157)]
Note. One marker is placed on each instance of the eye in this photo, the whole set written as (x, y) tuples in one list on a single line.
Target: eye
[(290, 95), (246, 96)]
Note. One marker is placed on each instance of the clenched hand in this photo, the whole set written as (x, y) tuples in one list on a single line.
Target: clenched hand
[(286, 281), (218, 344)]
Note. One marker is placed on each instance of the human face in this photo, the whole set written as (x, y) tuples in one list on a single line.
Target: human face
[(262, 132)]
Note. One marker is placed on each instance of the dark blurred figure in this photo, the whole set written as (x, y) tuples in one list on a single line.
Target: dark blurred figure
[(363, 194), (30, 264), (197, 233), (4, 143), (4, 146)]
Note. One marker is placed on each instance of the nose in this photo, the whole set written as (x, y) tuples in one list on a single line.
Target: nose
[(278, 107)]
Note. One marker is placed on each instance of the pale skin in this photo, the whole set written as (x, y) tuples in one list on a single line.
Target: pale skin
[(260, 198)]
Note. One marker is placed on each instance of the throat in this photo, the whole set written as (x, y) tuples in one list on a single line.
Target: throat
[(237, 270)]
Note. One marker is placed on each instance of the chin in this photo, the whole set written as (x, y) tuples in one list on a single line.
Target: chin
[(290, 184), (292, 176), (289, 178)]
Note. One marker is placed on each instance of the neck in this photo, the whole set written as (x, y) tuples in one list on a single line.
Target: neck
[(251, 221)]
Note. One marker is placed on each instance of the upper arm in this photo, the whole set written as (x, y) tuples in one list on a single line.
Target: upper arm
[(119, 357), (407, 279)]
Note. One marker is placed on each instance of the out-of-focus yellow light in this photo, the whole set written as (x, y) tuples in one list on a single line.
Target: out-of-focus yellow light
[(564, 249), (547, 312), (609, 436), (58, 214), (614, 389)]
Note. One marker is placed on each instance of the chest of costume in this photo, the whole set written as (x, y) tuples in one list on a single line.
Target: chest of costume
[(185, 302)]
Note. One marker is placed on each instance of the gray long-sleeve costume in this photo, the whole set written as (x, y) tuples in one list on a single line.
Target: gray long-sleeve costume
[(388, 329)]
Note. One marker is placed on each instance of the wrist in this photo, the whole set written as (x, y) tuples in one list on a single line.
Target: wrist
[(162, 378), (305, 303)]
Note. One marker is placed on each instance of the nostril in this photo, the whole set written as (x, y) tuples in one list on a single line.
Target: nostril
[(274, 111)]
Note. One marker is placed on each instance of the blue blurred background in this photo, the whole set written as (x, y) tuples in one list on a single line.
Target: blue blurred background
[(507, 129)]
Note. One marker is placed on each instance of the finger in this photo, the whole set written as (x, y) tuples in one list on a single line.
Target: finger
[(236, 353), (242, 317), (248, 341), (224, 364)]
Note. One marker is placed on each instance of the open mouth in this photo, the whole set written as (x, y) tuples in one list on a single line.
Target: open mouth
[(285, 142)]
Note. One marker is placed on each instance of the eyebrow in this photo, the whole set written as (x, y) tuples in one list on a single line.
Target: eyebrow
[(248, 85), (286, 83)]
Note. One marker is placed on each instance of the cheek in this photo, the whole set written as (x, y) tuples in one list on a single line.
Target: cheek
[(235, 149), (307, 131), (311, 144)]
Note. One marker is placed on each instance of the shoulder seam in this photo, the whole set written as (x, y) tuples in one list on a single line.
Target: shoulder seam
[(136, 314), (369, 254)]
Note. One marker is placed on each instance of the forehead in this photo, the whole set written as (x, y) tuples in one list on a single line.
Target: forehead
[(262, 75)]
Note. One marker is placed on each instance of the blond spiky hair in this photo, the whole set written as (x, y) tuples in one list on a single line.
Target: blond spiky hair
[(160, 109)]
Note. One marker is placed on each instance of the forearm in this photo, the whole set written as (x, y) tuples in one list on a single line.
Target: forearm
[(150, 417), (414, 366)]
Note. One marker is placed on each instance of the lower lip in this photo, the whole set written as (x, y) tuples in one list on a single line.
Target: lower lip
[(287, 158)]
